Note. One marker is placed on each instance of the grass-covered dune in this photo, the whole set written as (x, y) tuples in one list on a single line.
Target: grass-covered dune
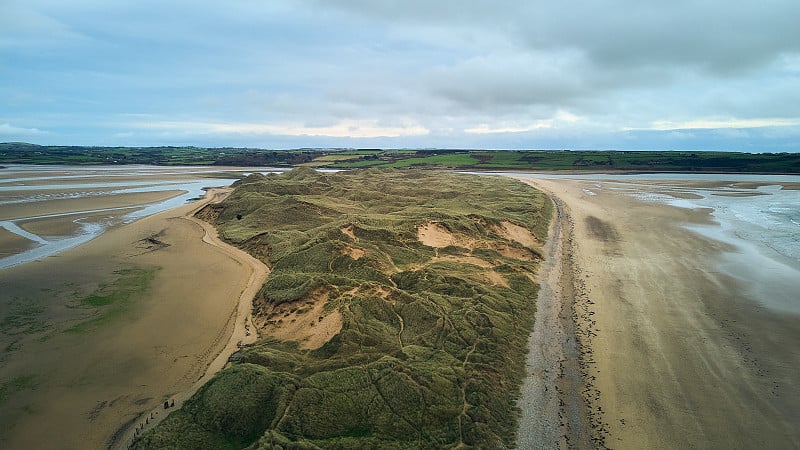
[(396, 314)]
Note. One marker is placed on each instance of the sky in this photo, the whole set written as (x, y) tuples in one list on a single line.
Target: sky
[(498, 74)]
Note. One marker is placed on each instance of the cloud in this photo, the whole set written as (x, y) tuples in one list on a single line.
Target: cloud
[(346, 128), (511, 78), (6, 129), (560, 118), (714, 35), (722, 124), (499, 73)]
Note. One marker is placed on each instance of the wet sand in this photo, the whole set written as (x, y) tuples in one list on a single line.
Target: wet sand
[(12, 243), (68, 225), (62, 206), (78, 390), (670, 352)]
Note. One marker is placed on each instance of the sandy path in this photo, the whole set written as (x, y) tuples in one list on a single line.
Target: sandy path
[(674, 356)]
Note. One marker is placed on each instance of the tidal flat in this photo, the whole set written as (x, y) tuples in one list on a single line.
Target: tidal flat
[(99, 334)]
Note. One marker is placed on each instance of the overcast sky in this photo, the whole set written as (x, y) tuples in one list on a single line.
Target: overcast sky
[(579, 74)]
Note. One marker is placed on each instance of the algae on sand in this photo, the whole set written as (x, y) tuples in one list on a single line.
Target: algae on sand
[(111, 301), (431, 351)]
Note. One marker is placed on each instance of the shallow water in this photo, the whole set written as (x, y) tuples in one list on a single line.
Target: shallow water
[(765, 232), (762, 224), (21, 184)]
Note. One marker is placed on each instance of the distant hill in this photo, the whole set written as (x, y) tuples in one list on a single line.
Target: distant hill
[(479, 160)]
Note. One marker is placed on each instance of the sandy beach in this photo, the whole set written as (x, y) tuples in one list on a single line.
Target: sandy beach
[(67, 389), (672, 354)]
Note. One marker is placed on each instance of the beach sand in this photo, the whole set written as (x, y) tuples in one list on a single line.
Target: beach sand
[(76, 390), (672, 354)]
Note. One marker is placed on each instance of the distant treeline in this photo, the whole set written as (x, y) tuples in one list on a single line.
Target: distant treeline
[(22, 153), (486, 160)]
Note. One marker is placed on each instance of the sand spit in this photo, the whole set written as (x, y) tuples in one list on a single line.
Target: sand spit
[(670, 354)]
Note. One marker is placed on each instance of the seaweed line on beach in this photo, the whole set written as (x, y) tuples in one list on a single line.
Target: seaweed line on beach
[(580, 416)]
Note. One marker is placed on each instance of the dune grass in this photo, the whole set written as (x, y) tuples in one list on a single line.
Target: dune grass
[(430, 353)]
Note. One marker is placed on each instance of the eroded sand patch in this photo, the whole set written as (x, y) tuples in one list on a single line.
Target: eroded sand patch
[(464, 259), (348, 231), (353, 252), (304, 321), (435, 235), (517, 233), (514, 252), (496, 279)]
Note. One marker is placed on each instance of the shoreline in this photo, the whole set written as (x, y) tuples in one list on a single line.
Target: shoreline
[(84, 386), (556, 412), (243, 332), (672, 354), (40, 236)]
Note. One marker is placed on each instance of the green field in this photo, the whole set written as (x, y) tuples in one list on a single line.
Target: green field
[(484, 160), (431, 349)]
